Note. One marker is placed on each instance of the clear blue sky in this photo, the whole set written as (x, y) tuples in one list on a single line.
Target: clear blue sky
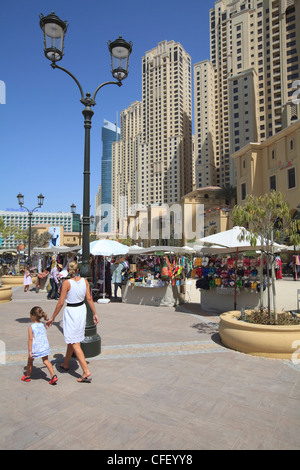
[(41, 124)]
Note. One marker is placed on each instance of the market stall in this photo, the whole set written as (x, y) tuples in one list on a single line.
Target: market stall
[(228, 281), (101, 250), (229, 277), (47, 258), (158, 276)]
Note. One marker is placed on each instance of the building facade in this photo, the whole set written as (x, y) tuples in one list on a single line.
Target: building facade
[(271, 165), (98, 207), (165, 154), (126, 171), (110, 134), (20, 219), (248, 83), (199, 213)]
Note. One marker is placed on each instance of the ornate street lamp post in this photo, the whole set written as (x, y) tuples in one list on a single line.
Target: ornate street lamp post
[(54, 30), (73, 211), (30, 212), (78, 219)]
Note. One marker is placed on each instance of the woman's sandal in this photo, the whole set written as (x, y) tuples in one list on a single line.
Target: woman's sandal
[(53, 380), (65, 369), (26, 378), (86, 380)]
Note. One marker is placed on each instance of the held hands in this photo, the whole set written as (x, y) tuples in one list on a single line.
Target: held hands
[(49, 322)]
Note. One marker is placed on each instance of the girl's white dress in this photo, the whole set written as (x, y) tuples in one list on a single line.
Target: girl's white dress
[(27, 279), (40, 344), (74, 319)]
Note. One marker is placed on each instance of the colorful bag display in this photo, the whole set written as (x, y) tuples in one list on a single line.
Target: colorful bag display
[(226, 272)]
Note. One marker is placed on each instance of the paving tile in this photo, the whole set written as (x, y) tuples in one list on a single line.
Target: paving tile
[(163, 381)]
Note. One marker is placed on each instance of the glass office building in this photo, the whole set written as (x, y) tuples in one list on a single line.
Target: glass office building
[(110, 134)]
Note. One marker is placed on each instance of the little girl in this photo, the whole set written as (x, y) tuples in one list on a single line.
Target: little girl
[(38, 345), (27, 280)]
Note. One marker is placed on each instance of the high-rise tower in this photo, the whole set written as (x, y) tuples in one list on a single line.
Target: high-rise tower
[(125, 168), (244, 93), (165, 153), (110, 134)]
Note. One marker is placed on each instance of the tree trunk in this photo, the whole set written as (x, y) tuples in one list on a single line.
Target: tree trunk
[(268, 279), (273, 277), (261, 275)]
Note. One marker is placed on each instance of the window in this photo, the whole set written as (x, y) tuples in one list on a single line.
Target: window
[(243, 191), (273, 183), (291, 178)]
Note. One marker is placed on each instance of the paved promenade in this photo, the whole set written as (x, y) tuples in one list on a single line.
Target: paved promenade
[(162, 382)]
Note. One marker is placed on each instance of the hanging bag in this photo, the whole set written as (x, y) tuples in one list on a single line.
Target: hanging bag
[(165, 270)]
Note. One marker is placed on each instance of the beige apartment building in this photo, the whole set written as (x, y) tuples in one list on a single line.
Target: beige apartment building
[(126, 171), (98, 207), (244, 93), (271, 165), (153, 161), (165, 156), (199, 213)]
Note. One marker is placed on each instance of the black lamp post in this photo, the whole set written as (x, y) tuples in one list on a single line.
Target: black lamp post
[(54, 30), (30, 212)]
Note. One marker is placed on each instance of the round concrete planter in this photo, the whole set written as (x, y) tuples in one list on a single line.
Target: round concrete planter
[(5, 294), (278, 342), (15, 280)]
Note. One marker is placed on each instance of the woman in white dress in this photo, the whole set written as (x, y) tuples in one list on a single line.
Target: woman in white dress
[(75, 291)]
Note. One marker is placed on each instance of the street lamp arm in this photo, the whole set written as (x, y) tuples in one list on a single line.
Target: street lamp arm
[(38, 207), (55, 66), (85, 100), (31, 211), (23, 207), (102, 85)]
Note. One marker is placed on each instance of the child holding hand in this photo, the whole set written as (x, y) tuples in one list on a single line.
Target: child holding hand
[(38, 345)]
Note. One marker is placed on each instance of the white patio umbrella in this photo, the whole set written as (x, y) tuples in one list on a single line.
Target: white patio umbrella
[(232, 239), (107, 248), (229, 239), (135, 249)]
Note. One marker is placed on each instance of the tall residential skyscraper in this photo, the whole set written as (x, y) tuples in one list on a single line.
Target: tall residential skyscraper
[(125, 163), (110, 134), (165, 151), (244, 93)]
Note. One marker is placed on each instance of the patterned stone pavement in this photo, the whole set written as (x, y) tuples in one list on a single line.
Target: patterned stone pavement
[(163, 381)]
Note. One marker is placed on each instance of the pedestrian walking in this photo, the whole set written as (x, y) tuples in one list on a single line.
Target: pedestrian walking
[(75, 291), (54, 282), (117, 270), (38, 345)]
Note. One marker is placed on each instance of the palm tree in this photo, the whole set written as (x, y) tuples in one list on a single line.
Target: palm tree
[(229, 194)]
